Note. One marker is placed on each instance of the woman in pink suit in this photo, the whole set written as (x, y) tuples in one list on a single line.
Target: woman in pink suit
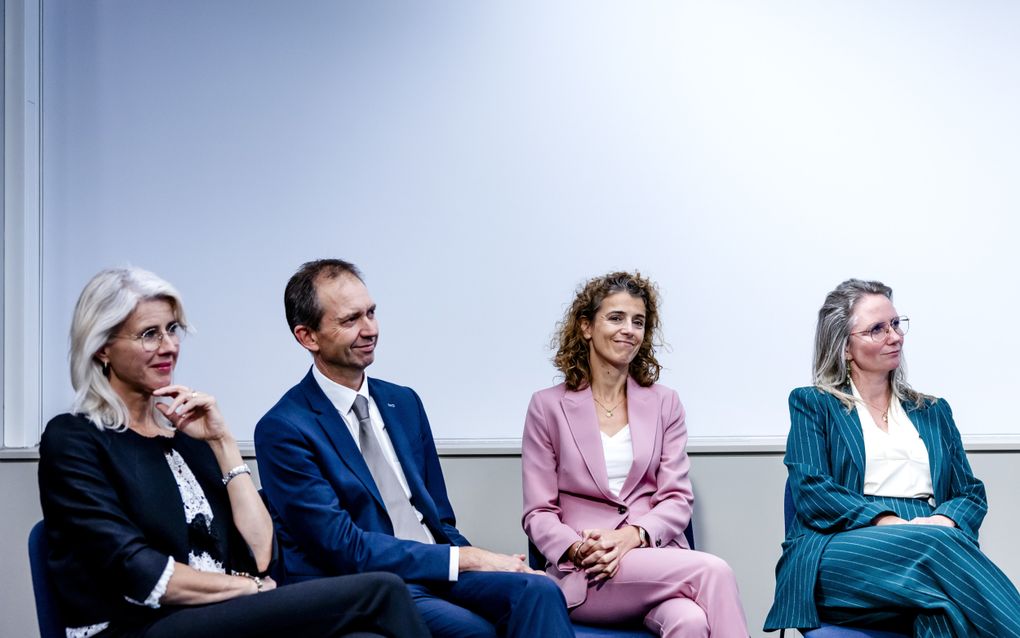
[(606, 492)]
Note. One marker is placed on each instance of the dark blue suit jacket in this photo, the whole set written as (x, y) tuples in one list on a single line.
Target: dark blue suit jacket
[(825, 458), (330, 517)]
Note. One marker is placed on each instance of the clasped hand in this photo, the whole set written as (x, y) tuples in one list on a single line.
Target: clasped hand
[(937, 519), (600, 550)]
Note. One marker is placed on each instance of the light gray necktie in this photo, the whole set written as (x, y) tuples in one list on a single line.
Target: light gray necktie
[(402, 516)]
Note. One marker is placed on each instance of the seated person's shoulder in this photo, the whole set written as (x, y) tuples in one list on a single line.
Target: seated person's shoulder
[(66, 428), (664, 392), (808, 393), (293, 401), (807, 390), (936, 404), (554, 392), (390, 387)]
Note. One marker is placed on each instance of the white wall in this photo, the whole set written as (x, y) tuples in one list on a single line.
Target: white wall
[(479, 160)]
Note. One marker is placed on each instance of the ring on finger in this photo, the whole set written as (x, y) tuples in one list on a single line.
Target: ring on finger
[(194, 394)]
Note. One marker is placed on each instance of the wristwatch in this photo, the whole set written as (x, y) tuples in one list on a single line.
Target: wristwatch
[(643, 536)]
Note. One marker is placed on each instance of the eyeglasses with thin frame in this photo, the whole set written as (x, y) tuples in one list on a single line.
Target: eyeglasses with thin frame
[(152, 338), (880, 331)]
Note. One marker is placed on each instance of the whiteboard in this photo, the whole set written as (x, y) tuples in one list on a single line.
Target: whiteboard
[(479, 160)]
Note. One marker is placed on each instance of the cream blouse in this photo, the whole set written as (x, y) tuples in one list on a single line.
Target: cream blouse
[(896, 461)]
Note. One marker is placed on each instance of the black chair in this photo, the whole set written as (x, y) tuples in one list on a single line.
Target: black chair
[(581, 630), (51, 624), (826, 630)]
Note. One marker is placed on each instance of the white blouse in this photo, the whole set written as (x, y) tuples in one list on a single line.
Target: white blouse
[(896, 462), (619, 455)]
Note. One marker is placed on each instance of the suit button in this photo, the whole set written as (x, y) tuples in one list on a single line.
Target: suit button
[(622, 509), (658, 542)]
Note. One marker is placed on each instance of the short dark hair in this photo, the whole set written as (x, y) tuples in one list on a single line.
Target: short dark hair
[(301, 297)]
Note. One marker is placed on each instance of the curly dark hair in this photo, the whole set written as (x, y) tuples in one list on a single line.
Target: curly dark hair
[(571, 347)]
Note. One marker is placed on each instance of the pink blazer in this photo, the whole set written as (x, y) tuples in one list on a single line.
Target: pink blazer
[(566, 488)]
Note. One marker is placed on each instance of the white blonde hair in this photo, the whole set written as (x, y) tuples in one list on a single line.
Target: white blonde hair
[(106, 302)]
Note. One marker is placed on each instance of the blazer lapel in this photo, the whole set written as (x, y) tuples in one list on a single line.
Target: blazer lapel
[(327, 418), (643, 418), (849, 427), (583, 423), (390, 409), (923, 420)]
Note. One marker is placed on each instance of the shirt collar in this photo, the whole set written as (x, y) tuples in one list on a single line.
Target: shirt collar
[(340, 396)]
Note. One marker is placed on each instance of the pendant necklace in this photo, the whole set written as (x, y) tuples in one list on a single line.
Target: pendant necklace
[(609, 411), (885, 414)]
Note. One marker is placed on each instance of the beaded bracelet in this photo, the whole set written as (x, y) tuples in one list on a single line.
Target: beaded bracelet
[(259, 584)]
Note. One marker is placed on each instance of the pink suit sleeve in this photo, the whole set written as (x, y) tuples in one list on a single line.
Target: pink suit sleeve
[(673, 499), (539, 465)]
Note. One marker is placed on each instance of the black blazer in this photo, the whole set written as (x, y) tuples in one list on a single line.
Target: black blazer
[(114, 515)]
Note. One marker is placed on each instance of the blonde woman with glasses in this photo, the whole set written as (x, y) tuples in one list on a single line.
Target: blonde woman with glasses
[(888, 509)]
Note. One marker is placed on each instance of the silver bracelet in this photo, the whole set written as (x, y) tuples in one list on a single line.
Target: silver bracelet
[(235, 472)]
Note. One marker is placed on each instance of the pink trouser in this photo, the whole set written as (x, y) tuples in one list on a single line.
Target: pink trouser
[(680, 593)]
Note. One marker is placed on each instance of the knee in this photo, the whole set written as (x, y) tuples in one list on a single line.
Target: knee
[(538, 591), (678, 618), (386, 579), (717, 569), (383, 585), (541, 586), (948, 538), (383, 581)]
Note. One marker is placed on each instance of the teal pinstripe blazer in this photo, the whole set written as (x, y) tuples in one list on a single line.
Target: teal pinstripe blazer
[(825, 459)]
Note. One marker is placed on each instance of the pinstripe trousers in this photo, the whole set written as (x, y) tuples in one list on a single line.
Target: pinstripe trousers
[(935, 574)]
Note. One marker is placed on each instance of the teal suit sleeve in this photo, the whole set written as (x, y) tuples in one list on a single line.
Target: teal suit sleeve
[(823, 477), (966, 503)]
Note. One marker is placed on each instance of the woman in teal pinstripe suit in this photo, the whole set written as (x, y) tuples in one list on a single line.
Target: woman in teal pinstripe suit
[(888, 509)]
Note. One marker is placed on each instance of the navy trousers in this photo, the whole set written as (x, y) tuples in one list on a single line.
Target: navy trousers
[(935, 575), (490, 604)]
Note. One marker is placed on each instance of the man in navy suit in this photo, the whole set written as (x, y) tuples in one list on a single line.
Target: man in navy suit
[(353, 478)]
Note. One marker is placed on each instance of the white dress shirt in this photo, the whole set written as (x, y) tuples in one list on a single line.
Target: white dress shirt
[(619, 453), (896, 461), (342, 399)]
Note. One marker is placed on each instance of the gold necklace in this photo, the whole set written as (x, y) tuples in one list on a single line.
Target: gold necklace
[(609, 411), (885, 415)]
